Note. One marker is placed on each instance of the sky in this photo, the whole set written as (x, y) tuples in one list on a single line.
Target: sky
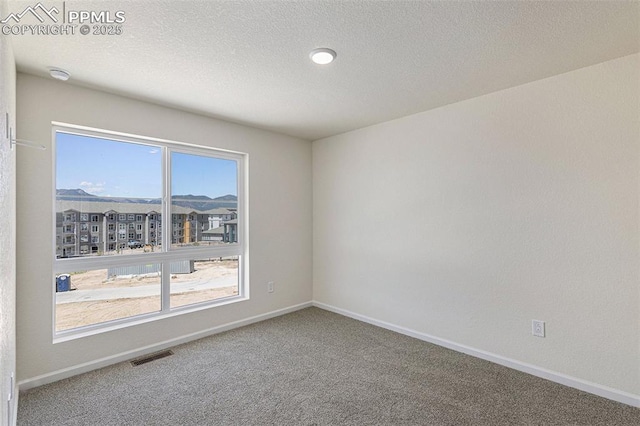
[(120, 169)]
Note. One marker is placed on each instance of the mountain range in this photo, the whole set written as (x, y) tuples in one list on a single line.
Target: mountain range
[(197, 202)]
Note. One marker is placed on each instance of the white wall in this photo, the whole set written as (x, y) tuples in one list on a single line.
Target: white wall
[(279, 203), (7, 230), (468, 221)]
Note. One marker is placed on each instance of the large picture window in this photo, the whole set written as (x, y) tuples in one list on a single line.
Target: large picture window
[(123, 267)]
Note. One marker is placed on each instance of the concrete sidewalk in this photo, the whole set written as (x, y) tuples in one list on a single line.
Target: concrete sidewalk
[(111, 293)]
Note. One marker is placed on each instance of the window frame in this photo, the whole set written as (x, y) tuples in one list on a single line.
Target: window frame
[(166, 255)]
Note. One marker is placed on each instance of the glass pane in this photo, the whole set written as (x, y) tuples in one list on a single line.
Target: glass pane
[(210, 216), (196, 281), (101, 295), (108, 197)]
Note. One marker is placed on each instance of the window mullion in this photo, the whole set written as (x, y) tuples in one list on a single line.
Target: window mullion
[(165, 282), (166, 227)]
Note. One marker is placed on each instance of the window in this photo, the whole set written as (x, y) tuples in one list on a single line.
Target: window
[(138, 272), (84, 217)]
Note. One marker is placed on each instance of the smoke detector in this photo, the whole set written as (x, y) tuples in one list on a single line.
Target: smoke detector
[(59, 74)]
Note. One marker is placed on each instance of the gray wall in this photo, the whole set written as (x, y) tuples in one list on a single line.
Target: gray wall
[(7, 227), (279, 194), (468, 221)]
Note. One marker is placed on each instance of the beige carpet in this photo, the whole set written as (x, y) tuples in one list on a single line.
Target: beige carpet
[(314, 367)]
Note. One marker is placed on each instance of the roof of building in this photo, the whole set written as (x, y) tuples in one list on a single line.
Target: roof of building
[(183, 210), (216, 231), (104, 207), (219, 210)]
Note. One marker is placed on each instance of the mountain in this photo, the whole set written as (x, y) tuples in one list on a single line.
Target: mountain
[(202, 202), (227, 198), (73, 193), (81, 195), (196, 202)]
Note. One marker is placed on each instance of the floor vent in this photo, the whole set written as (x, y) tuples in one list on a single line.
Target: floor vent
[(152, 357)]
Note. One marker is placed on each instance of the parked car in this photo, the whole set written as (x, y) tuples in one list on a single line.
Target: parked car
[(135, 244)]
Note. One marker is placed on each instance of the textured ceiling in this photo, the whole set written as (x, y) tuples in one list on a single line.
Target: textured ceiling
[(247, 61)]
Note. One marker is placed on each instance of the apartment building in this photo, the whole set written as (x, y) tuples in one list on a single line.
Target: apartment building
[(86, 228)]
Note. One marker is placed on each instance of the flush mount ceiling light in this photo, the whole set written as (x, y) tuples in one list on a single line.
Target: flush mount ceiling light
[(59, 74), (322, 56)]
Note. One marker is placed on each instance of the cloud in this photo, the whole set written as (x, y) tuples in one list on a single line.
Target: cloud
[(154, 151), (93, 188)]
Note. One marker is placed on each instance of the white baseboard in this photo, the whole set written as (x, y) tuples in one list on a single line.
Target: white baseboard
[(583, 385), (125, 356)]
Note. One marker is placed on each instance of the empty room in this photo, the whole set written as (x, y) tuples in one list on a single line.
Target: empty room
[(336, 212)]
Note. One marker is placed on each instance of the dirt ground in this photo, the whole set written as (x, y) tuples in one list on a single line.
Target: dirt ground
[(205, 270), (72, 315)]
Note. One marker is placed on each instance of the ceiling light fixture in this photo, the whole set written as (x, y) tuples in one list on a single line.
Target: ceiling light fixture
[(322, 56), (59, 74)]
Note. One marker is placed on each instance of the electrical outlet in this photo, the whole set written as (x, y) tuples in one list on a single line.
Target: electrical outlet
[(270, 286), (537, 328)]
